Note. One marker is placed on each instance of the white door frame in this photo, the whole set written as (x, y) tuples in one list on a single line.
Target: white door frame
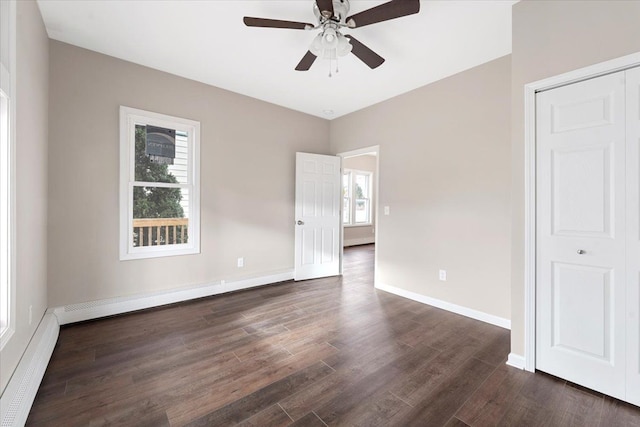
[(359, 152), (530, 90)]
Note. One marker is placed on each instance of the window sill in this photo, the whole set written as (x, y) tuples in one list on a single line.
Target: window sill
[(357, 225), (158, 253)]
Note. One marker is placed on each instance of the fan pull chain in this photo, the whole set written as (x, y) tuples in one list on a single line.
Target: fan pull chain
[(337, 70), (330, 75)]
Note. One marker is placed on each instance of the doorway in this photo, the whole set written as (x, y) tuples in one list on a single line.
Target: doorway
[(359, 199), (360, 178)]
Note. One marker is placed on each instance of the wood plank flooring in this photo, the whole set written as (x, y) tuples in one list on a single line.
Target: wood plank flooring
[(326, 352)]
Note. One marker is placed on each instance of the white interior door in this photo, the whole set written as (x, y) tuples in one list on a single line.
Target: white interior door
[(580, 259), (633, 235), (317, 215)]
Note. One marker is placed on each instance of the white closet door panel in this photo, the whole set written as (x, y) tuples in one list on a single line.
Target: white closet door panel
[(581, 306), (633, 235)]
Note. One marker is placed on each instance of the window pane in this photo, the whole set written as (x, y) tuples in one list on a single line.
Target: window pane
[(161, 155), (160, 216), (345, 185), (362, 186), (362, 211), (346, 212)]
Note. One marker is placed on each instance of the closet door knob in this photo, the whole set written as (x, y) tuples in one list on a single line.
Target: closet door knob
[(580, 252)]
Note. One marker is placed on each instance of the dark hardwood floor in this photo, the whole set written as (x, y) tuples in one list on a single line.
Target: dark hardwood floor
[(316, 353)]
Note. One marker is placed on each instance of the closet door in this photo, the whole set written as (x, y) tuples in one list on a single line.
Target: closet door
[(580, 220), (633, 235)]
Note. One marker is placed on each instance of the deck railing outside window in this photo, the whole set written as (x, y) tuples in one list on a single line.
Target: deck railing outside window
[(160, 231)]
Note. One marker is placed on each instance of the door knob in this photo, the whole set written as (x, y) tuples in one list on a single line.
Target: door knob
[(300, 222), (580, 252)]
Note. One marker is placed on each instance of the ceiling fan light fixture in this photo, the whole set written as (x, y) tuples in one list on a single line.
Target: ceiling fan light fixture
[(316, 46), (329, 54), (329, 39), (330, 44), (344, 47)]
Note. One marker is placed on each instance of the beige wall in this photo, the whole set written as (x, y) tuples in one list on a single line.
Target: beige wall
[(550, 38), (32, 62), (247, 178), (363, 234), (444, 173)]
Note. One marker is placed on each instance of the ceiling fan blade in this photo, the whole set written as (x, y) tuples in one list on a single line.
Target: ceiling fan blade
[(366, 55), (326, 8), (306, 62), (275, 23), (384, 12)]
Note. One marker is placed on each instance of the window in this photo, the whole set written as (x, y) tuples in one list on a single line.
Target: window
[(356, 193), (159, 185), (7, 169)]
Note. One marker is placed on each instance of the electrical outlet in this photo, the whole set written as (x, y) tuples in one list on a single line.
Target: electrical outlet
[(443, 275), (240, 262), (222, 282), (30, 314), (386, 210)]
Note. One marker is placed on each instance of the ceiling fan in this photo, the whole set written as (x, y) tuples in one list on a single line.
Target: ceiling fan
[(332, 17)]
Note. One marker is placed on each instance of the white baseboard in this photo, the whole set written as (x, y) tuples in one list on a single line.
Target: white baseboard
[(18, 397), (107, 307), (516, 361), (454, 308), (359, 241)]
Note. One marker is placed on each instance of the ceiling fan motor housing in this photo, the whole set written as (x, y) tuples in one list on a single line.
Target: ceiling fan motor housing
[(340, 12)]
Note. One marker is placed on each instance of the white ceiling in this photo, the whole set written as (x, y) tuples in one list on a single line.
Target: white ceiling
[(208, 42)]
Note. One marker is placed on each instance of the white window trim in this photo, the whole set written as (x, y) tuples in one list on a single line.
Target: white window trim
[(129, 117), (8, 86), (352, 216)]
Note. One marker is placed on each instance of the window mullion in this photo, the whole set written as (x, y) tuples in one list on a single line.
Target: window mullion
[(160, 184)]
